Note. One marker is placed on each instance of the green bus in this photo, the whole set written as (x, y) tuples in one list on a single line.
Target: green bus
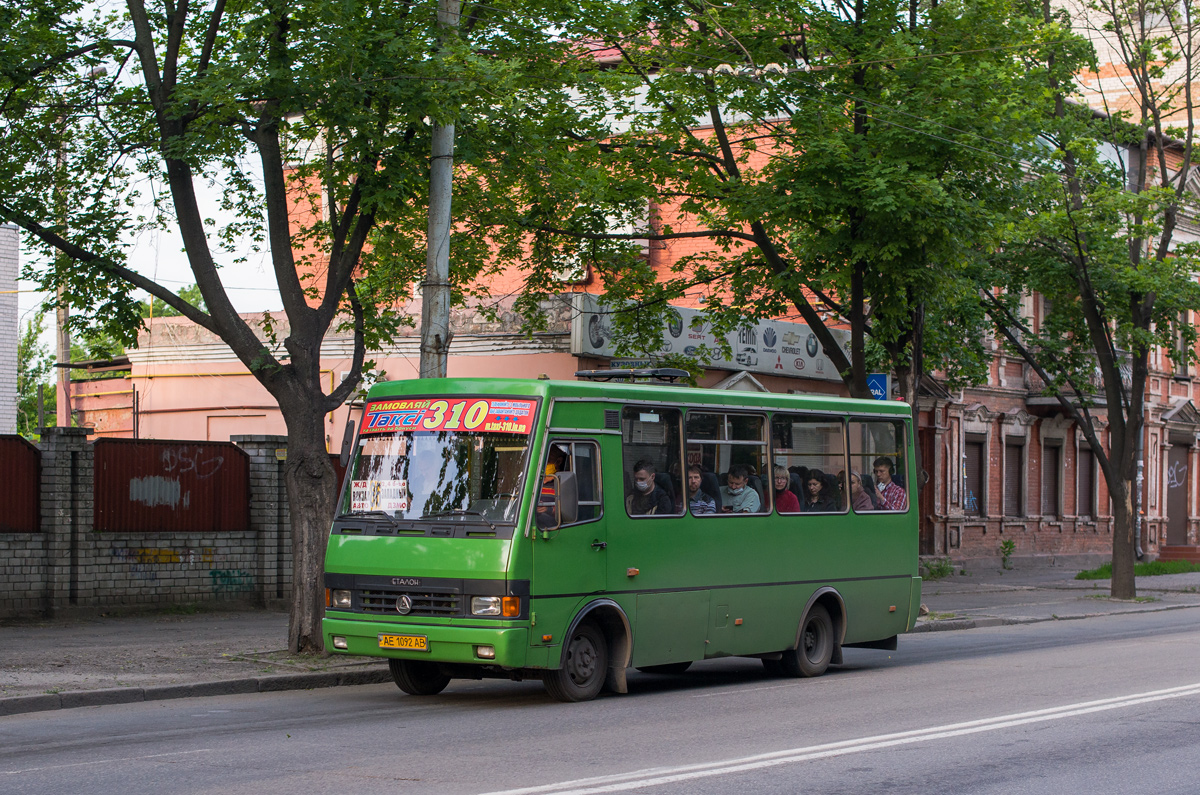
[(569, 530)]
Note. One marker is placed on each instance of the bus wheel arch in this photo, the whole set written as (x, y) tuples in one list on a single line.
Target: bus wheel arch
[(819, 635), (608, 616)]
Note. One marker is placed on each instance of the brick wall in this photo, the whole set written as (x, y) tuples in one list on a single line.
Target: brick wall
[(69, 566), (9, 328)]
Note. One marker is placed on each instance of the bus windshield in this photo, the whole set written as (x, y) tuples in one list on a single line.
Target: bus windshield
[(442, 460)]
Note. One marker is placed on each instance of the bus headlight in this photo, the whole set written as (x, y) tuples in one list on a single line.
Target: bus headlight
[(485, 605), (339, 599), (504, 606)]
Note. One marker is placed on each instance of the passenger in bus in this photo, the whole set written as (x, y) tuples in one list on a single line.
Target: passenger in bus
[(860, 498), (818, 497), (785, 501), (892, 496), (736, 496), (647, 498), (699, 501), (557, 460)]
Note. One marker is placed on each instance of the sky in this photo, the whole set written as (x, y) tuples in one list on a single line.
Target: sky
[(159, 255)]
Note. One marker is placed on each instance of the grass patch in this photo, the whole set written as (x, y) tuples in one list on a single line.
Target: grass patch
[(939, 616), (1138, 599), (937, 568), (1141, 569)]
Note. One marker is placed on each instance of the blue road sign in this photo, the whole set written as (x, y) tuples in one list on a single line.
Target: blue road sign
[(878, 384)]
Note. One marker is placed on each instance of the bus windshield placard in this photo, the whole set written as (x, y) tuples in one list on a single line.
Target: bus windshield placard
[(486, 415)]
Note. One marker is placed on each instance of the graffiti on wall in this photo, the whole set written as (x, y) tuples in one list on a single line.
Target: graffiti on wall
[(1177, 475), (146, 563), (182, 460), (231, 581)]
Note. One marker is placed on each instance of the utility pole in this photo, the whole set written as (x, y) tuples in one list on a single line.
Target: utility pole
[(62, 312), (435, 291)]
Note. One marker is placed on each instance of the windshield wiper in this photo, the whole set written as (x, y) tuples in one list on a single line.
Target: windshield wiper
[(461, 513), (370, 514)]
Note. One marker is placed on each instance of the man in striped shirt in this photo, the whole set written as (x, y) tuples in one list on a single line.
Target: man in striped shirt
[(892, 496)]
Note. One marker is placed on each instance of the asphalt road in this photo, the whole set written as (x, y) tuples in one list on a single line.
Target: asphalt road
[(1102, 705)]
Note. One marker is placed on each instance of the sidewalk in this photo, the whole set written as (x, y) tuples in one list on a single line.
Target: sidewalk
[(118, 659), (990, 596)]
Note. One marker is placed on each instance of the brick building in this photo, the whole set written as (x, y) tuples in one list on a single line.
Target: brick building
[(10, 332)]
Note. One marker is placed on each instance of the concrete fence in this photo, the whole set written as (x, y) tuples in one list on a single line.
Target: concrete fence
[(67, 564)]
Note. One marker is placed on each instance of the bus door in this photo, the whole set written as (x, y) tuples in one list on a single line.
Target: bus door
[(652, 566), (569, 562)]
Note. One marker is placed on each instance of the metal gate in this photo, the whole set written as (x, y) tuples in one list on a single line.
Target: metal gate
[(20, 481), (178, 486)]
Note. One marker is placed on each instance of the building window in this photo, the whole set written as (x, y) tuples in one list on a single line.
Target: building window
[(1014, 477), (1085, 483), (1051, 480), (974, 461)]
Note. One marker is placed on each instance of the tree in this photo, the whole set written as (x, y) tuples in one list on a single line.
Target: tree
[(1101, 243), (845, 159), (156, 307), (311, 116), (34, 367)]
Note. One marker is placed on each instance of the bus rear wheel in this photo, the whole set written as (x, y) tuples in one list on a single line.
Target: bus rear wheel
[(584, 668), (418, 677), (812, 655)]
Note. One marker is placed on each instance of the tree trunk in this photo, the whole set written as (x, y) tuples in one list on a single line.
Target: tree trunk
[(312, 496), (1124, 585)]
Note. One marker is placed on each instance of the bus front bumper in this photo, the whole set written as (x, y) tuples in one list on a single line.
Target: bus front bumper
[(448, 644)]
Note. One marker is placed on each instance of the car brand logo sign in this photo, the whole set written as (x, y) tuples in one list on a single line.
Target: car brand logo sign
[(404, 605)]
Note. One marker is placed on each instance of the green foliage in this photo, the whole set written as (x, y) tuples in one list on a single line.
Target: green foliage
[(35, 366), (831, 152), (1149, 569), (936, 568), (1007, 547), (156, 307)]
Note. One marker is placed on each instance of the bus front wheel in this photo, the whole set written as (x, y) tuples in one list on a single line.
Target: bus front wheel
[(812, 655), (418, 677), (584, 668)]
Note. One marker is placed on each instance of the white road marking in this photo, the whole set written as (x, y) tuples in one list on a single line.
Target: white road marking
[(652, 777), (734, 691), (106, 761)]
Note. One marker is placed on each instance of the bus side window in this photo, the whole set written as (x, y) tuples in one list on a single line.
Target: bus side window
[(652, 461), (583, 459), (877, 455), (731, 452), (809, 461), (586, 461)]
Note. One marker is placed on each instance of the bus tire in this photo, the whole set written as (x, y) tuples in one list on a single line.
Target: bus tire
[(814, 651), (418, 677), (667, 668), (585, 666)]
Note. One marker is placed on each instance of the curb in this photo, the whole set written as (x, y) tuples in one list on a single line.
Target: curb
[(17, 705), (976, 623)]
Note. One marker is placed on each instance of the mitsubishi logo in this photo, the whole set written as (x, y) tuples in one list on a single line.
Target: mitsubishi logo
[(404, 605)]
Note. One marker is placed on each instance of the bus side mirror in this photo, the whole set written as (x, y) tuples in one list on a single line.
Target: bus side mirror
[(347, 443), (566, 498)]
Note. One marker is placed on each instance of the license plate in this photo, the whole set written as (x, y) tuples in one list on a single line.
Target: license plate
[(407, 642)]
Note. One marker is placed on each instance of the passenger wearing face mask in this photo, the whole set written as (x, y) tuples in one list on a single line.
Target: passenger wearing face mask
[(647, 497), (736, 496)]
